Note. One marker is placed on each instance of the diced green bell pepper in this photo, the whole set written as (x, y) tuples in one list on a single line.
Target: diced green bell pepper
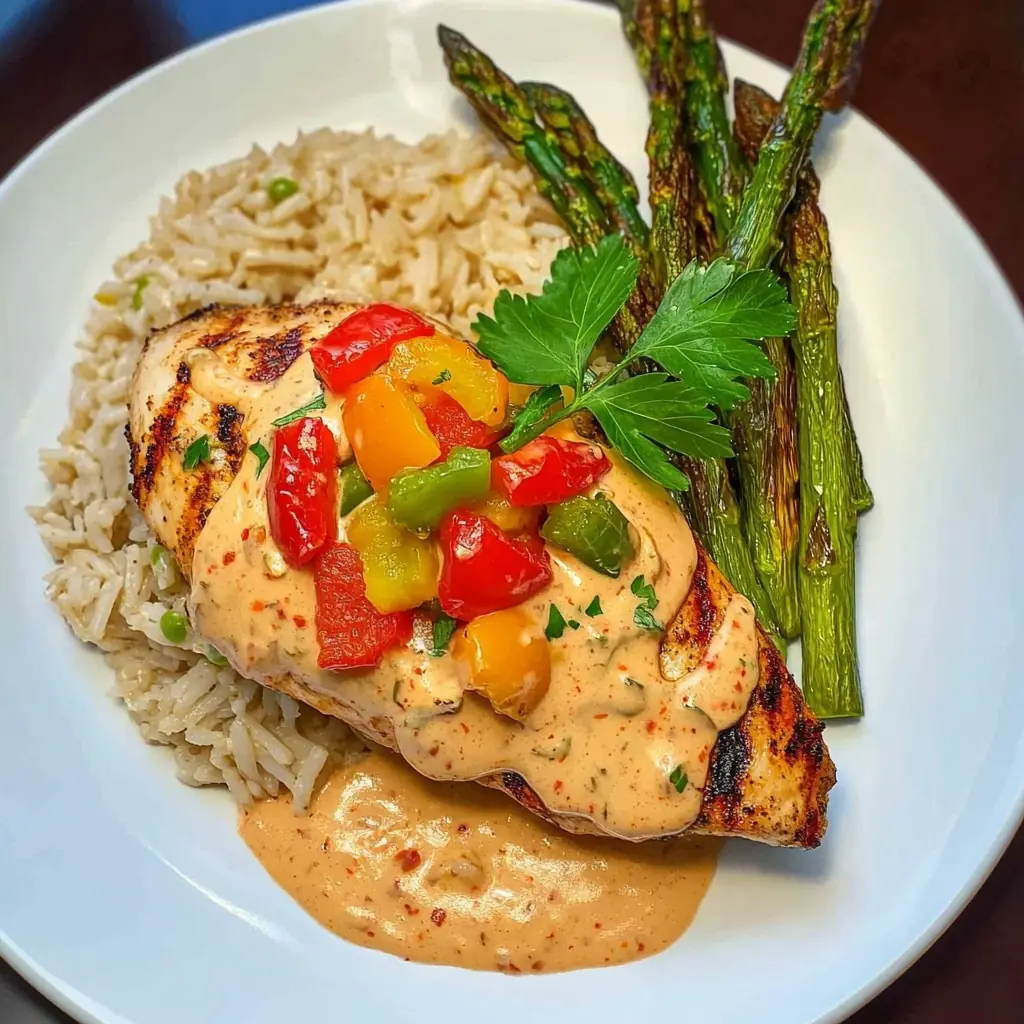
[(592, 529), (418, 498), (353, 488)]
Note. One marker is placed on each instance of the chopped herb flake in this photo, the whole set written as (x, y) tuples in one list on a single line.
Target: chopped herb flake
[(262, 456), (645, 592), (320, 402), (556, 624), (645, 620), (573, 624), (594, 608), (198, 451), (443, 376), (444, 630), (678, 778)]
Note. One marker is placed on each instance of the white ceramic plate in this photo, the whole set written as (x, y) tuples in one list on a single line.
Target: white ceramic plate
[(128, 897)]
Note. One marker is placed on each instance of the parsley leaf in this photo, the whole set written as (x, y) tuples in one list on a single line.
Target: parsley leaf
[(198, 451), (679, 778), (547, 338), (704, 329), (444, 375), (704, 333), (262, 456), (645, 620), (556, 624), (573, 624), (320, 402), (444, 630), (536, 407), (594, 608), (648, 602)]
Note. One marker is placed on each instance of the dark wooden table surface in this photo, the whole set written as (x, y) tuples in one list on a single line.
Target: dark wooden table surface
[(945, 78)]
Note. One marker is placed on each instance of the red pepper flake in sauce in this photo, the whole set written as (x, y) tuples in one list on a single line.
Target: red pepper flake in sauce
[(408, 859), (229, 557), (652, 725), (711, 664), (537, 965), (462, 828), (245, 533), (735, 623), (325, 846), (433, 750), (260, 533), (282, 614), (437, 915), (558, 785), (464, 727), (257, 606), (300, 621), (604, 714), (411, 910), (639, 947)]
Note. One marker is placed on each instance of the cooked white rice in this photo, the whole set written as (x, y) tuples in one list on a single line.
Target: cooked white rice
[(442, 226)]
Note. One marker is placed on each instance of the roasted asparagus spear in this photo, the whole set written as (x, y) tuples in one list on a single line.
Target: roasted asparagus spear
[(764, 437), (612, 183), (718, 161), (823, 78), (755, 111), (654, 32), (505, 108), (829, 478)]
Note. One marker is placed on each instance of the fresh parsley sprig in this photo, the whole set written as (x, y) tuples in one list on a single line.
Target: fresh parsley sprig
[(703, 334)]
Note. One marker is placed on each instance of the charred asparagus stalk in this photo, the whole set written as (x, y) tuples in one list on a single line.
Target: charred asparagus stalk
[(828, 516), (764, 437), (718, 161), (755, 110), (830, 478), (612, 183), (505, 108), (822, 80), (652, 28)]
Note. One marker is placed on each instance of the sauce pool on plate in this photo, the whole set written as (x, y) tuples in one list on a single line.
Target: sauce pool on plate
[(450, 873)]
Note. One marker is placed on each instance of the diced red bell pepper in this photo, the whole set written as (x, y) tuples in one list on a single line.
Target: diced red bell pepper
[(485, 569), (548, 470), (451, 426), (351, 632), (362, 342), (302, 490)]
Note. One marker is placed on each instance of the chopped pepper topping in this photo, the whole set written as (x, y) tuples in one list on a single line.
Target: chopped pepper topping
[(302, 490), (419, 498), (451, 425), (592, 529), (353, 488), (485, 570), (386, 429), (351, 632), (362, 342), (400, 569), (548, 470)]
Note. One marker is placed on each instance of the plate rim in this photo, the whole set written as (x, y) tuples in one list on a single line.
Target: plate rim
[(77, 1004)]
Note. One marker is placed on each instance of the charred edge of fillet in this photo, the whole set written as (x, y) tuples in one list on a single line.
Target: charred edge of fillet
[(272, 356), (520, 791), (730, 761), (161, 438), (229, 435), (195, 513), (698, 619)]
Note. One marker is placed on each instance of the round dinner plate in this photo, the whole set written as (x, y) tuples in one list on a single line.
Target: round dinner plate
[(128, 897)]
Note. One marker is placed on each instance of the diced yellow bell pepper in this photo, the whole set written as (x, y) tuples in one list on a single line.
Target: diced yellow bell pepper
[(455, 368), (508, 659), (399, 568), (386, 429), (508, 517)]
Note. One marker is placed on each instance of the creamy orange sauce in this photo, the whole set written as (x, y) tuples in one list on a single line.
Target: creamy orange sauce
[(455, 874), (611, 734)]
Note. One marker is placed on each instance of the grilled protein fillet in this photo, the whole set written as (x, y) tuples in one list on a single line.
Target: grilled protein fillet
[(767, 777)]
